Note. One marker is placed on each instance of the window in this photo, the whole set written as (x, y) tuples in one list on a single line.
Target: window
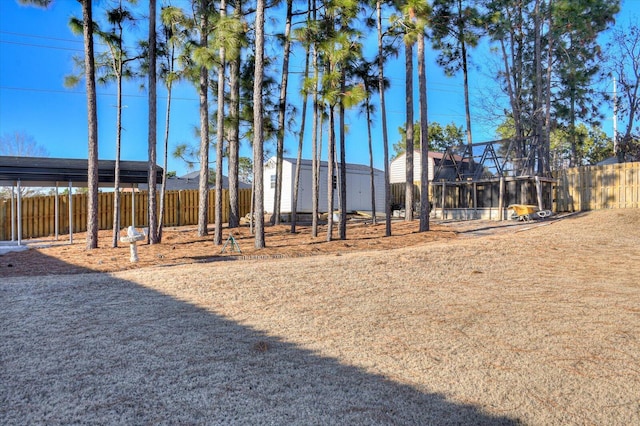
[(335, 182), (273, 181)]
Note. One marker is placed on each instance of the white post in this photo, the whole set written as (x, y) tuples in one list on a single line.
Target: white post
[(539, 192), (13, 213), (133, 206), (70, 215), (19, 210)]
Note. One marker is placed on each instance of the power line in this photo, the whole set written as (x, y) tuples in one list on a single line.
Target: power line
[(79, 50), (66, 40), (40, 45), (42, 37), (76, 92)]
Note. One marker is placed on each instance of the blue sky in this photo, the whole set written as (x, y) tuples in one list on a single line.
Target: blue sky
[(36, 51)]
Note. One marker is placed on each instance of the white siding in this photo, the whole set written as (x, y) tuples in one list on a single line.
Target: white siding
[(358, 187), (288, 170), (269, 193), (397, 168), (305, 203), (287, 185), (359, 190)]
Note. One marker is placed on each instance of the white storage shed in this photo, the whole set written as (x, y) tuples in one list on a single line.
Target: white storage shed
[(398, 166), (358, 187)]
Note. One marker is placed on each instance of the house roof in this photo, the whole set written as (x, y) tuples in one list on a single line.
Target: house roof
[(192, 181), (44, 171), (432, 154), (608, 161)]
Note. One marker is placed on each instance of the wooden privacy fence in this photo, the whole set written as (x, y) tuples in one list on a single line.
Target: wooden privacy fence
[(579, 188), (614, 186), (398, 193), (38, 213)]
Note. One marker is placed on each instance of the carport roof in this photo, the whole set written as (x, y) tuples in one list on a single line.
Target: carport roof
[(43, 171)]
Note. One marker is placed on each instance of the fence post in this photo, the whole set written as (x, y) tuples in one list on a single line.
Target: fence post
[(501, 198), (3, 219), (13, 215), (19, 214), (475, 200), (444, 186)]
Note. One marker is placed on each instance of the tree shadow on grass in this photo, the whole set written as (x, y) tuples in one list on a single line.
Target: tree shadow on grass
[(90, 348), (30, 262), (515, 225)]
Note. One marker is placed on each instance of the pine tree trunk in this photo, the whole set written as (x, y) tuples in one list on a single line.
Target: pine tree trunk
[(465, 77), (331, 148), (383, 114), (343, 161), (217, 235), (372, 181), (547, 120), (203, 204), (315, 151), (408, 197), (116, 174), (258, 139), (92, 121), (234, 134), (537, 106), (424, 139), (315, 165), (153, 200)]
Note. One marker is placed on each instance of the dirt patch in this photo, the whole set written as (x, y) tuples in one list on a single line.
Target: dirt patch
[(183, 246)]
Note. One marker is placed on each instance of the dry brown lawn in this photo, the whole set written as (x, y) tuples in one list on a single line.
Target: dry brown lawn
[(472, 323)]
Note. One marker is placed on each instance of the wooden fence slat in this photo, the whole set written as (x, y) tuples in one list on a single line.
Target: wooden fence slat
[(4, 204)]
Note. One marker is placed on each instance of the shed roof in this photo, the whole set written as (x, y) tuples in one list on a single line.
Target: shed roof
[(44, 171), (323, 164)]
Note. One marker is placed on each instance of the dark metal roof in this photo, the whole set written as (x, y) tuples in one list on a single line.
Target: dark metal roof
[(43, 171)]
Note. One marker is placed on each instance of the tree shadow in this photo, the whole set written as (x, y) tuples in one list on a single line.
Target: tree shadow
[(93, 348), (28, 262), (515, 224)]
